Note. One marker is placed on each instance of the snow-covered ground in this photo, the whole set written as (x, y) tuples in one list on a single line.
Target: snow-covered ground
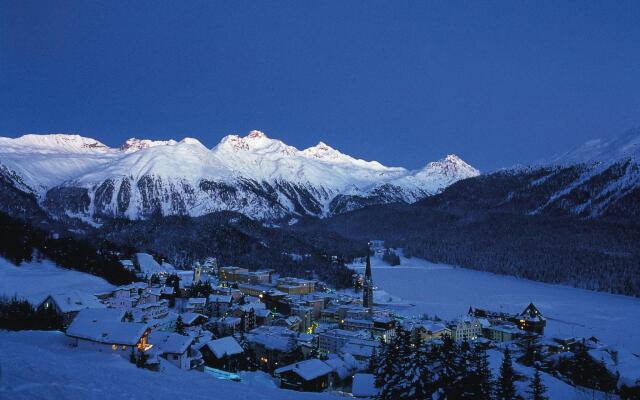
[(556, 389), (448, 292), (41, 365), (35, 281)]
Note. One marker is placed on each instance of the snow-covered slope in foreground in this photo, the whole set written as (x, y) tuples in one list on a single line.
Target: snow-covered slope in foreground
[(256, 175), (41, 365)]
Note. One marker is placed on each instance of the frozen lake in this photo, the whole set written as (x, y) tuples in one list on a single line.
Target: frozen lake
[(448, 292)]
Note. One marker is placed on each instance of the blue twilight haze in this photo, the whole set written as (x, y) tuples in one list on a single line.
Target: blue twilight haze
[(404, 83)]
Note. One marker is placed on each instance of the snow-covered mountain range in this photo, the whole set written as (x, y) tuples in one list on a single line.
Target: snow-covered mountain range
[(261, 177)]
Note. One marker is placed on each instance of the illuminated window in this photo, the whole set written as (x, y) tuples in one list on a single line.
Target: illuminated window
[(114, 347)]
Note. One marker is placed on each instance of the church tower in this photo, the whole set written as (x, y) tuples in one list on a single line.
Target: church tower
[(197, 270), (367, 292)]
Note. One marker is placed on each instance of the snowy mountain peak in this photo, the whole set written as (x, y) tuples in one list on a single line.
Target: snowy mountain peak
[(254, 174), (322, 151), (134, 144), (254, 134), (255, 141), (451, 165)]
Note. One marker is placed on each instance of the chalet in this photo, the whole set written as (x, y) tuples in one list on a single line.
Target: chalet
[(193, 319), (196, 305), (531, 320), (273, 346), (310, 376), (67, 305), (219, 304), (264, 317), (225, 354), (177, 349), (104, 330)]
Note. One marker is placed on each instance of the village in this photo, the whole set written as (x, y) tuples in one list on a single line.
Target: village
[(223, 320)]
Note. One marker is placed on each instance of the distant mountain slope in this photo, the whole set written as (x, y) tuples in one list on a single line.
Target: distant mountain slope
[(235, 240), (255, 175), (559, 221)]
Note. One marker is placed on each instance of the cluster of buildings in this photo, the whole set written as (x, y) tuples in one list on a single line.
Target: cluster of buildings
[(306, 337)]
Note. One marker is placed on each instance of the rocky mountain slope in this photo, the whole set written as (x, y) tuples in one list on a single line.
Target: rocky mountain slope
[(255, 175)]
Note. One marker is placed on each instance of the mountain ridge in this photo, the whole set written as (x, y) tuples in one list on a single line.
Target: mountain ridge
[(258, 176)]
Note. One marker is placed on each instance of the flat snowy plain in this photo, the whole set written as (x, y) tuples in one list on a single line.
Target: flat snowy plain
[(443, 290)]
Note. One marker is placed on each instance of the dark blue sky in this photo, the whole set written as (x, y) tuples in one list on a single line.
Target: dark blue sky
[(400, 82)]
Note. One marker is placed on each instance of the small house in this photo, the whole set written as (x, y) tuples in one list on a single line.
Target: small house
[(309, 376), (225, 354), (67, 305), (177, 349)]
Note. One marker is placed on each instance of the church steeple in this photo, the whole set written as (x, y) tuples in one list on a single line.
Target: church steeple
[(367, 293)]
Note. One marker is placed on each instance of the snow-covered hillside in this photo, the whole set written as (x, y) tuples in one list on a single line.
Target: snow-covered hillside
[(42, 365), (34, 281), (261, 177), (605, 181)]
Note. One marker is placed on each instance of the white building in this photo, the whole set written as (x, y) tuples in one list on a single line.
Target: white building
[(466, 328)]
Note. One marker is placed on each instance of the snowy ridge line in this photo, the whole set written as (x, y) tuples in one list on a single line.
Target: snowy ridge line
[(261, 177)]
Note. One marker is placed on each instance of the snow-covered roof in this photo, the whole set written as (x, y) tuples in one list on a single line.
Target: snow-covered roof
[(272, 337), (102, 328), (169, 342), (308, 369), (219, 298), (364, 385), (161, 303), (263, 313), (190, 317), (358, 349), (75, 301), (226, 346), (338, 366), (197, 301)]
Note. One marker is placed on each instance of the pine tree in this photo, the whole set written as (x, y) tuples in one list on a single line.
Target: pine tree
[(390, 373), (417, 382), (447, 355), (506, 386), (179, 325), (478, 383), (537, 389)]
